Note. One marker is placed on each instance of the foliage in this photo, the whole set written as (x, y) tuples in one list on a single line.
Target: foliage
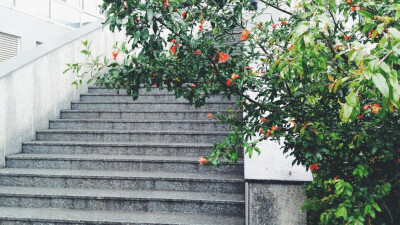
[(330, 92)]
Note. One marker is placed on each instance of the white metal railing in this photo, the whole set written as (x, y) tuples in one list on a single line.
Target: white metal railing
[(69, 13)]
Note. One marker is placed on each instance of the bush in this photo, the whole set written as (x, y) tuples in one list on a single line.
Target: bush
[(326, 85)]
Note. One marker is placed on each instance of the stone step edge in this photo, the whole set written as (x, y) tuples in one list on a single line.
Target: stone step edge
[(71, 216), (166, 132), (108, 158), (145, 111), (126, 175), (118, 144), (150, 102), (134, 121), (138, 195)]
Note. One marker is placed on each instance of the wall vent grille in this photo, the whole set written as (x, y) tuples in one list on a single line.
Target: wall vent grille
[(9, 46)]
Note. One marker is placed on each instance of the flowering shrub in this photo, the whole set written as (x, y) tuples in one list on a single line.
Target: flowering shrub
[(330, 92)]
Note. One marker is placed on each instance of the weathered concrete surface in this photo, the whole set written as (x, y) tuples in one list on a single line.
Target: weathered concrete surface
[(275, 204)]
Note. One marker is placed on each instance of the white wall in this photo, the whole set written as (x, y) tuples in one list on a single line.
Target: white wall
[(33, 87), (29, 28)]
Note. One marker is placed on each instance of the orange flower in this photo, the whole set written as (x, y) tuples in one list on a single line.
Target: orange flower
[(193, 85), (375, 108), (352, 8), (274, 26), (235, 76), (259, 25), (198, 52), (262, 71), (264, 120), (347, 38), (202, 21), (314, 166), (228, 82), (335, 178), (173, 49), (209, 115), (173, 41), (184, 15), (274, 128), (360, 116), (366, 107), (291, 47), (222, 57), (349, 2), (284, 23), (166, 4), (200, 28), (245, 34), (115, 54), (154, 75), (202, 160)]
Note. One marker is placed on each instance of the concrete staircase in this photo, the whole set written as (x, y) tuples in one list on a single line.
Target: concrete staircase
[(111, 160)]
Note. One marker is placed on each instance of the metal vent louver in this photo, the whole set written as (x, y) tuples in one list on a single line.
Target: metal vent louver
[(9, 46)]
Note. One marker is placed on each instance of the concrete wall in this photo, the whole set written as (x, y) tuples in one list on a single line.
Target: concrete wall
[(33, 87), (29, 28), (271, 203)]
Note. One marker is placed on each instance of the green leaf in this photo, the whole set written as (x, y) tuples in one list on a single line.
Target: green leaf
[(380, 82), (385, 67), (394, 33), (341, 212), (351, 99), (380, 28), (365, 14), (398, 12), (150, 13)]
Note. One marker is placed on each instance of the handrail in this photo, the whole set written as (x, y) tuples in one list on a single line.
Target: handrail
[(13, 64)]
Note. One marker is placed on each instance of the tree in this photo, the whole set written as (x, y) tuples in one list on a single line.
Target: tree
[(326, 85)]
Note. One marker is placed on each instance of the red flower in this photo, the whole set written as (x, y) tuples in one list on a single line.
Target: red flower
[(366, 107), (284, 23), (291, 47), (155, 84), (228, 82), (209, 115), (200, 28), (202, 21), (274, 128), (375, 108), (360, 116), (115, 54), (274, 26), (349, 2), (347, 38), (314, 166), (335, 178), (154, 75), (223, 57), (352, 8), (125, 5), (261, 131), (173, 41), (198, 52), (202, 160), (235, 76), (398, 160), (193, 85), (245, 34), (166, 4), (264, 120), (173, 49), (137, 19), (259, 25), (262, 71), (184, 15)]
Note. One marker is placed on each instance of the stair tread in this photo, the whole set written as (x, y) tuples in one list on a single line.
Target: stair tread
[(133, 131), (187, 196), (118, 144), (106, 217), (147, 102), (135, 121), (139, 111), (100, 157), (224, 177)]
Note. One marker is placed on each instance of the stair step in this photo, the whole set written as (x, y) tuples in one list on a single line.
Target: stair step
[(137, 136), (119, 124), (123, 200), (127, 180), (138, 115), (149, 97), (116, 148), (142, 91), (141, 106), (51, 216), (119, 162)]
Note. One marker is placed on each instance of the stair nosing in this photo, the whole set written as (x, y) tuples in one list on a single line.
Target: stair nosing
[(119, 144), (133, 132)]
